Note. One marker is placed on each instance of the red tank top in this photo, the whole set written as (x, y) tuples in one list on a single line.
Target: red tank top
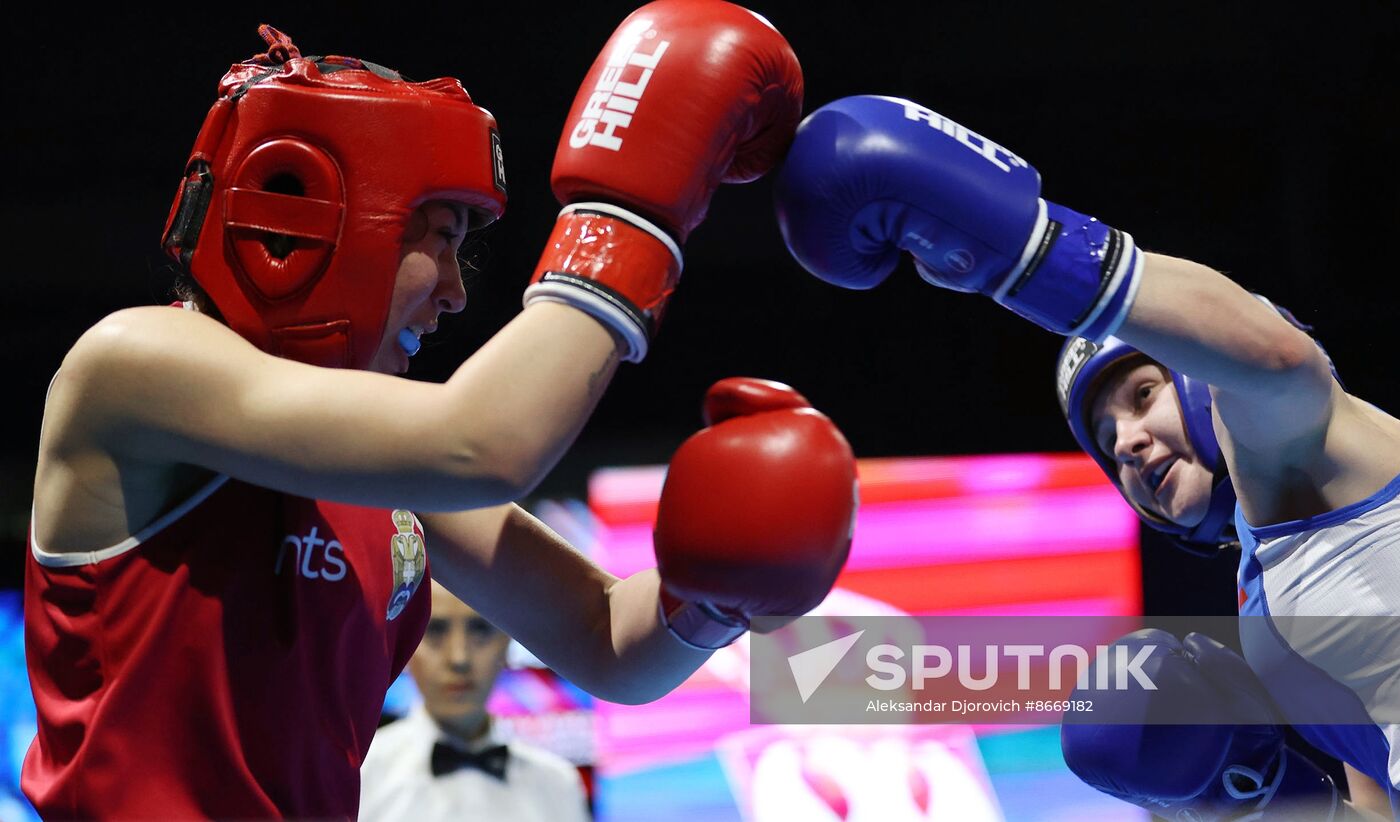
[(230, 661)]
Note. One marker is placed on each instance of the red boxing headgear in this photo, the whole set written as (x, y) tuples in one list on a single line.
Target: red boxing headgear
[(333, 154)]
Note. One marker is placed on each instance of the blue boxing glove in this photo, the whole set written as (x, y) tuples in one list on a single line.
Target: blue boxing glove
[(1236, 767), (869, 177)]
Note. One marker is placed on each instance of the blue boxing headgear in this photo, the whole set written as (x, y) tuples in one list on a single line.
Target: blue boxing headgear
[(1079, 374), (1082, 365)]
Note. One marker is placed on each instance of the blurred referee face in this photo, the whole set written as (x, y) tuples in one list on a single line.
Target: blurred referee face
[(457, 663)]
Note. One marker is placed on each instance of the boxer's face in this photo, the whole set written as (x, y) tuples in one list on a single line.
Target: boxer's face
[(429, 280), (457, 663), (1137, 421)]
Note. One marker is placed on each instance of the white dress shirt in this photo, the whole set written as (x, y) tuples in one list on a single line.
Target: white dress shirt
[(397, 782)]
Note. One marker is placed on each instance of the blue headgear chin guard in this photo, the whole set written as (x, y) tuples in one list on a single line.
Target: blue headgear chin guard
[(1078, 375)]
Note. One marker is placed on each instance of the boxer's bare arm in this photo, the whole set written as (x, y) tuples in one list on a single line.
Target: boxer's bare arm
[(602, 633), (156, 386), (1296, 443), (1272, 382)]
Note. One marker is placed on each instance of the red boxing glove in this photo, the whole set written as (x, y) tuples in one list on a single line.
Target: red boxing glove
[(756, 514), (685, 95)]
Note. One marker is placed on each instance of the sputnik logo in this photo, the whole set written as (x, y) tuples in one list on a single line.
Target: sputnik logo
[(811, 667)]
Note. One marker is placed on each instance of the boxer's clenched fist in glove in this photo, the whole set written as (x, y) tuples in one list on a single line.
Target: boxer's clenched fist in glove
[(869, 177), (687, 94), (756, 514), (1235, 765)]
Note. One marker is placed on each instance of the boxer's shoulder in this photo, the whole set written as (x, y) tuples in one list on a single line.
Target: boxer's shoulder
[(132, 336), (92, 470), (137, 357)]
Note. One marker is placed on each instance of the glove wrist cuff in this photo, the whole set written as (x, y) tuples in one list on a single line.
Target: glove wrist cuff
[(613, 265), (1076, 276), (699, 624)]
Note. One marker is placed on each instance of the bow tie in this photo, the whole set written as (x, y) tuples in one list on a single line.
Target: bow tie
[(492, 760)]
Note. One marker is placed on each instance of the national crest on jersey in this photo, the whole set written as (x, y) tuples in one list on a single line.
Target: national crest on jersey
[(410, 560)]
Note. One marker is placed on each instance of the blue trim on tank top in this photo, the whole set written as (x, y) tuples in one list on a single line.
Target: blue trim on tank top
[(1346, 512)]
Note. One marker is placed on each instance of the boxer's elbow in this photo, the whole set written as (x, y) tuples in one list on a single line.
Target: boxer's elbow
[(1282, 398), (475, 476), (1287, 362), (1289, 352), (504, 462), (1302, 368)]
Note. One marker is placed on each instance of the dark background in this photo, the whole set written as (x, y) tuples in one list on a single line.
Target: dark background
[(1258, 142)]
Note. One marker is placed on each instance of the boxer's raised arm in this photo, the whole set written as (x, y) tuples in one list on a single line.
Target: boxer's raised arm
[(156, 386), (871, 177), (1273, 385), (684, 95)]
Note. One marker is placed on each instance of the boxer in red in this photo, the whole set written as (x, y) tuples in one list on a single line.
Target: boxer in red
[(225, 569)]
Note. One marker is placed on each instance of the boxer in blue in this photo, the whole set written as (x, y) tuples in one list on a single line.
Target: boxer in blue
[(1213, 412)]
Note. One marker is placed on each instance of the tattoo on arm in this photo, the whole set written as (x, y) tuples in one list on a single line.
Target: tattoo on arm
[(598, 380)]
